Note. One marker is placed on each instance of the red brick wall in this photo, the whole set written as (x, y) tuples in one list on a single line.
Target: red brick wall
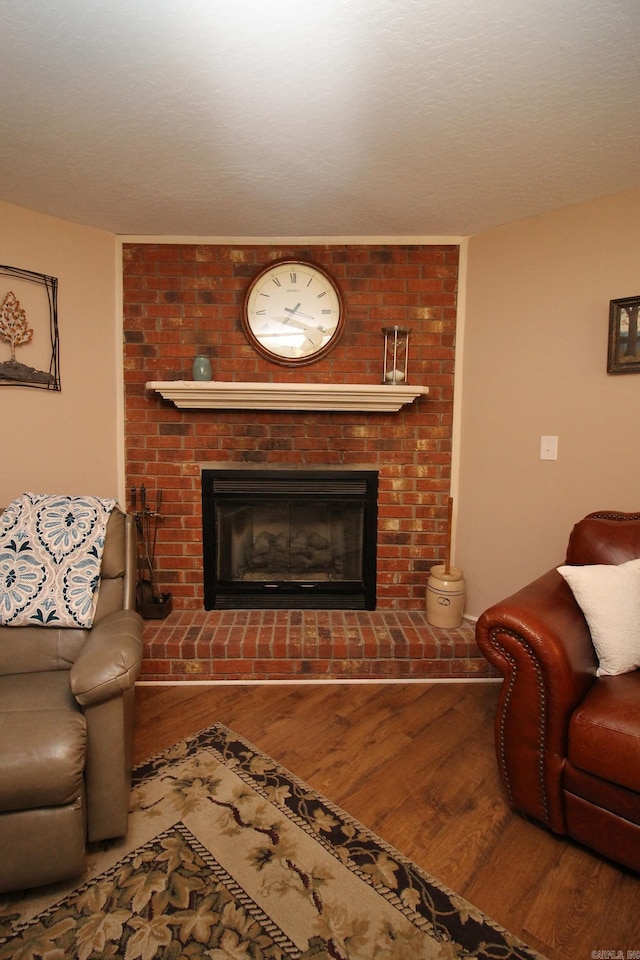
[(180, 299)]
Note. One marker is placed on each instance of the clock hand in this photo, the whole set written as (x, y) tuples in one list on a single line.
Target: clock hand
[(291, 312), (298, 313)]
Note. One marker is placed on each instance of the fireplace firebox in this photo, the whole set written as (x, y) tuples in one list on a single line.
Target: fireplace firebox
[(288, 539)]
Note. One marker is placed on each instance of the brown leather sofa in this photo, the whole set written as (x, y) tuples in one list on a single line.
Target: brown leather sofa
[(66, 727), (567, 740)]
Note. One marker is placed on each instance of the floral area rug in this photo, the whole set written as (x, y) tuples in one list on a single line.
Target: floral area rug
[(231, 857)]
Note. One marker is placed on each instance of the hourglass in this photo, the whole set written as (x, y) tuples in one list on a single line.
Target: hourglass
[(396, 354)]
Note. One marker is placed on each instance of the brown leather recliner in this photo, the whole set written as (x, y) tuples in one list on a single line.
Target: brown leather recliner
[(567, 740), (66, 727)]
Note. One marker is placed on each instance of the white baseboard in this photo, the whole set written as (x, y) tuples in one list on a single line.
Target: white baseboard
[(315, 682)]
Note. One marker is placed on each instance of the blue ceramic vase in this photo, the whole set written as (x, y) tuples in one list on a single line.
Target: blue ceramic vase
[(201, 367)]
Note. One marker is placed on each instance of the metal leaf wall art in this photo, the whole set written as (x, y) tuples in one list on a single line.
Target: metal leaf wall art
[(29, 323)]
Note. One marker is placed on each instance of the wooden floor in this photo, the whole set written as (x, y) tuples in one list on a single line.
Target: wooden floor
[(415, 763)]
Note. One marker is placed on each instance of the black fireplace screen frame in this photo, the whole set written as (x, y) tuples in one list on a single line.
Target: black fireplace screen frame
[(253, 488)]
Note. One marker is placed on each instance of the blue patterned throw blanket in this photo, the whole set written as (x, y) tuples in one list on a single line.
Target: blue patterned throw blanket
[(50, 557)]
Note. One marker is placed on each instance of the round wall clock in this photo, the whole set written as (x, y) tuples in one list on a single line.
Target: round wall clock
[(293, 312)]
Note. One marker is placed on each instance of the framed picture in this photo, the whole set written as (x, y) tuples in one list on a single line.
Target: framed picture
[(29, 345), (624, 341)]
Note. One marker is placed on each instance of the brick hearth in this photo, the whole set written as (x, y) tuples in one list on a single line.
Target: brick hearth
[(308, 644)]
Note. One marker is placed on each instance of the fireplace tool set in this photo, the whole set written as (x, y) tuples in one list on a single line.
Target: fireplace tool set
[(150, 604)]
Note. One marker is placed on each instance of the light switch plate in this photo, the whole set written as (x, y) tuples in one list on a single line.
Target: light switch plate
[(548, 448)]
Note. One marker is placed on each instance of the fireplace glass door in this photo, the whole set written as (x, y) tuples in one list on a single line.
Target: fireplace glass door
[(289, 539)]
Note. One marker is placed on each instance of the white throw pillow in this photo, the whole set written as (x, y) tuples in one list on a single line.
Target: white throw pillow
[(609, 597)]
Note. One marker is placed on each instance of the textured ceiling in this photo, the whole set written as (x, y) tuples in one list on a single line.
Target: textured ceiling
[(275, 118)]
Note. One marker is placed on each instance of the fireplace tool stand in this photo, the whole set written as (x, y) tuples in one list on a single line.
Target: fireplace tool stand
[(150, 603)]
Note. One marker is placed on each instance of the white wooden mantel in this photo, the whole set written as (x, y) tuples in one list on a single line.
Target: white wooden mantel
[(232, 395)]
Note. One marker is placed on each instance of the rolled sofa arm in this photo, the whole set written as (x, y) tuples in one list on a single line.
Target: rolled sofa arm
[(539, 640), (109, 662)]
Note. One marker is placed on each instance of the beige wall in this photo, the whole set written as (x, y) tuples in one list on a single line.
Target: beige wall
[(537, 301), (535, 351), (67, 442)]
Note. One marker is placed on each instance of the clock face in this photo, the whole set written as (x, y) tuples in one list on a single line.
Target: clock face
[(293, 312)]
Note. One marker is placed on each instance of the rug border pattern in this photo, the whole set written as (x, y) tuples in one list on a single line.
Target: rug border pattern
[(441, 917)]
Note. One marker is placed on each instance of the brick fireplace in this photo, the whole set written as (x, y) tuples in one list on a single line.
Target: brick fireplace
[(181, 299)]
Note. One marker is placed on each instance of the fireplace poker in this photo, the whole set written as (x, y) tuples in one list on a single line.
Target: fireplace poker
[(147, 586), (136, 517), (155, 529)]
